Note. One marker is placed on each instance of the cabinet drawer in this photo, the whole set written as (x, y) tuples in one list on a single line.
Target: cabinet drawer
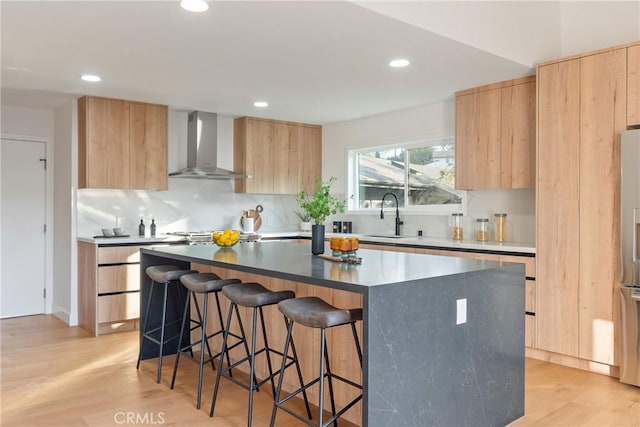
[(118, 278), (529, 262), (530, 296), (118, 254), (112, 308)]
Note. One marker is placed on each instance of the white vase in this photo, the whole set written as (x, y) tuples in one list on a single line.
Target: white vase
[(305, 226)]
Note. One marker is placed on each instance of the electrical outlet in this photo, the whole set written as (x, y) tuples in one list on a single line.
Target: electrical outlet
[(461, 311)]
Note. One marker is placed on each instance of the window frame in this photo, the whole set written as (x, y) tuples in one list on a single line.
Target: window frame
[(353, 179)]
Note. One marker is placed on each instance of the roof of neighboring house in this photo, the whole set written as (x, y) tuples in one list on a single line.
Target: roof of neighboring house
[(389, 174)]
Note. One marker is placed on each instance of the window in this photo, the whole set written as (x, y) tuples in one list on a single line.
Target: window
[(421, 175)]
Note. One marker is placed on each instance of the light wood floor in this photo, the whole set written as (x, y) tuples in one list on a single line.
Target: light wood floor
[(60, 376)]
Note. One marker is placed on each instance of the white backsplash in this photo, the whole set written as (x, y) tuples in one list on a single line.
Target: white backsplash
[(519, 205), (206, 205), (188, 205)]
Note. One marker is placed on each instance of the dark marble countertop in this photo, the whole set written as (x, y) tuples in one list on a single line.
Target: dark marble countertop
[(294, 261)]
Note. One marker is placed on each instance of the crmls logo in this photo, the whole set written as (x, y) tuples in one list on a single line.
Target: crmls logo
[(133, 418)]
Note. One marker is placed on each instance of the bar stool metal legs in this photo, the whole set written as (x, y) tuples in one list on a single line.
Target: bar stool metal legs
[(255, 296), (205, 284), (160, 275), (315, 313)]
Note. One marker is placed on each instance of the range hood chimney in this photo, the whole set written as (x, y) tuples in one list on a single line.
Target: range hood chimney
[(202, 128)]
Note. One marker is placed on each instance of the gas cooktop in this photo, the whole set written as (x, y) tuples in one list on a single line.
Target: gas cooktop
[(204, 237)]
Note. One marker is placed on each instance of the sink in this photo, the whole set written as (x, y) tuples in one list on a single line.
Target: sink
[(385, 236)]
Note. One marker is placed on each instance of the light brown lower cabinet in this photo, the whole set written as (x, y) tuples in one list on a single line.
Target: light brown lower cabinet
[(108, 287), (118, 307)]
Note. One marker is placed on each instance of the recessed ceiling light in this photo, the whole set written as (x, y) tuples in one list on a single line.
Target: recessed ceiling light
[(399, 63), (194, 5), (90, 78), (261, 104)]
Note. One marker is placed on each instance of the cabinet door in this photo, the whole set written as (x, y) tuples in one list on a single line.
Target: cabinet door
[(557, 204), (257, 143), (633, 86), (285, 166), (602, 118), (465, 125), (518, 134), (282, 157), (309, 157), (148, 146), (104, 147), (478, 147)]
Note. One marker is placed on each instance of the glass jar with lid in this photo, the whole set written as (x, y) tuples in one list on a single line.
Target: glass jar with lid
[(456, 226), (482, 229), (501, 227)]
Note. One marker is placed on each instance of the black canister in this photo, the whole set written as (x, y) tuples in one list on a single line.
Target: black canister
[(347, 226), (337, 226)]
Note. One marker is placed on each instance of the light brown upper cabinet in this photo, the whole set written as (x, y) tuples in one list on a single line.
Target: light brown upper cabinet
[(281, 157), (495, 135), (121, 144), (581, 112), (633, 85)]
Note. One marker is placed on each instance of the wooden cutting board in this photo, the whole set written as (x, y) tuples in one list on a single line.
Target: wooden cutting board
[(257, 221), (255, 214)]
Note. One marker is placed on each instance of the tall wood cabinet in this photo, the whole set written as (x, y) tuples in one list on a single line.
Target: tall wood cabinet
[(121, 144), (633, 86), (281, 157), (495, 135), (581, 112)]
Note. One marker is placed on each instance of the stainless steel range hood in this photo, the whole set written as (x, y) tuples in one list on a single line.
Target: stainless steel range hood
[(202, 128)]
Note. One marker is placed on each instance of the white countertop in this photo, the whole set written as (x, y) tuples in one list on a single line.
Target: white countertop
[(421, 241), (430, 242), (131, 240)]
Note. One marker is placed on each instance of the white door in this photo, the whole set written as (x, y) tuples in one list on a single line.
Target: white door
[(22, 212)]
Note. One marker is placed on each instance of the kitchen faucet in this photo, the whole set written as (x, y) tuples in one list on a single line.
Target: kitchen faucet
[(398, 222)]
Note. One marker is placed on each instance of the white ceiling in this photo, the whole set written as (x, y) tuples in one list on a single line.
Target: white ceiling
[(316, 62)]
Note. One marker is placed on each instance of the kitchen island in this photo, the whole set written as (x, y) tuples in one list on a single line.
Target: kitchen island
[(443, 337)]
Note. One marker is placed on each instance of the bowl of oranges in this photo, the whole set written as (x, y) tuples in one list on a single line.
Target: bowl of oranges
[(226, 238)]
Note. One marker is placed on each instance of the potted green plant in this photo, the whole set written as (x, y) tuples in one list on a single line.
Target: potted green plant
[(319, 205), (305, 219)]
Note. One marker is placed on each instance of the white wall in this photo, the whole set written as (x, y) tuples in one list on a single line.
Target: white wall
[(425, 122), (36, 122), (27, 121), (526, 32), (65, 302), (588, 26)]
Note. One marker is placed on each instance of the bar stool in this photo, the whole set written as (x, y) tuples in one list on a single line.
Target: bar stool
[(202, 283), (314, 312), (255, 296), (161, 275)]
